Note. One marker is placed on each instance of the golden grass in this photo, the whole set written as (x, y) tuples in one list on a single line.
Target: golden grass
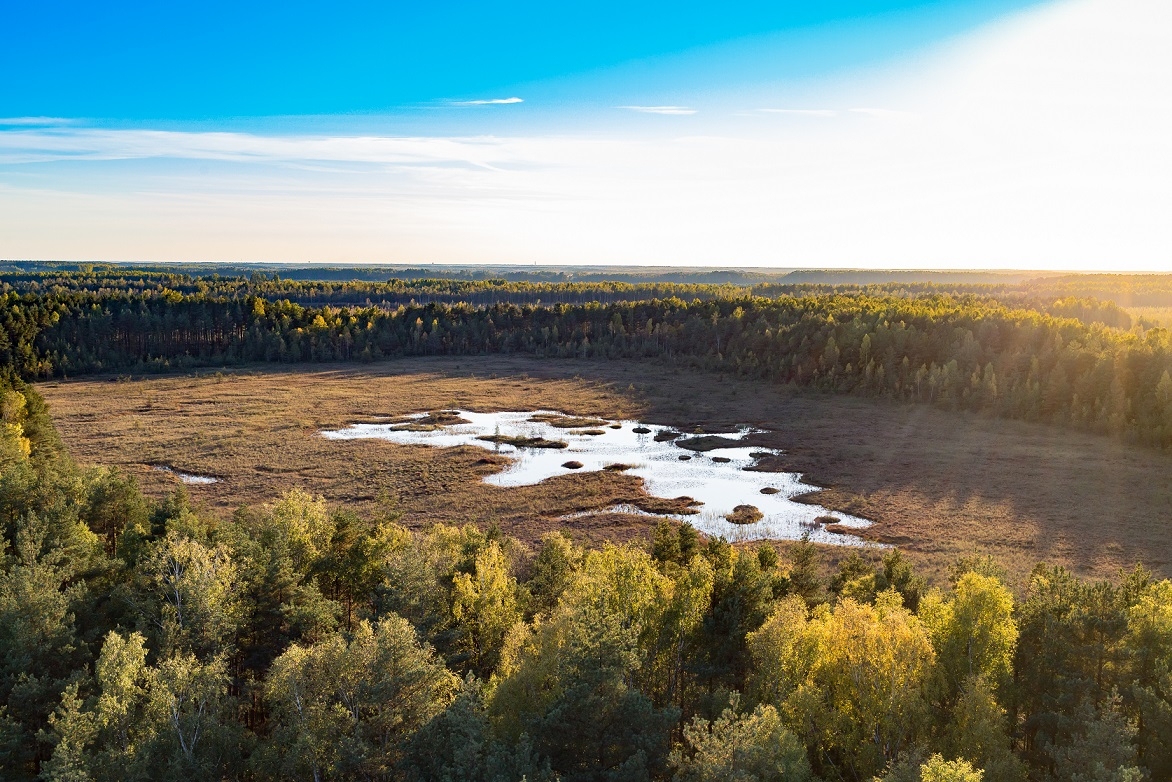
[(938, 484)]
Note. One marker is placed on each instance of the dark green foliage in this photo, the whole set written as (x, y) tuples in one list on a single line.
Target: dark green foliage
[(1014, 352), (1100, 747), (550, 573), (742, 595), (458, 746), (862, 579), (115, 507), (804, 577), (897, 574), (855, 578), (1072, 651), (145, 641), (601, 729)]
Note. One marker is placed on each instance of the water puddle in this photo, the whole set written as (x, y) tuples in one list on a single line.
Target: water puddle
[(711, 469), (194, 480)]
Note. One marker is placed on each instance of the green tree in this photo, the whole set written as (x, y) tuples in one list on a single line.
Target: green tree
[(804, 577), (742, 747), (742, 595), (484, 606), (973, 631), (1101, 748), (457, 746), (856, 579), (351, 568), (193, 589), (114, 505), (280, 599), (572, 683), (123, 679), (897, 574), (852, 681), (193, 732), (978, 732), (1149, 643), (40, 647), (174, 721), (346, 706), (551, 573), (1071, 647)]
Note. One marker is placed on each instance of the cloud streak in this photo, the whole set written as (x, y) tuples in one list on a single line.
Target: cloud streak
[(35, 121), (488, 102), (668, 110), (43, 145)]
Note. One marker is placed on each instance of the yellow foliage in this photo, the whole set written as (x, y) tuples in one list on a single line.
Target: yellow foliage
[(302, 523), (937, 769), (974, 632), (12, 406), (485, 605), (14, 446), (850, 680), (609, 616)]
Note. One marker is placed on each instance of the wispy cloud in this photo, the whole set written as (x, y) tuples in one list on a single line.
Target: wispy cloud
[(43, 144), (660, 109), (488, 102), (801, 112), (35, 122)]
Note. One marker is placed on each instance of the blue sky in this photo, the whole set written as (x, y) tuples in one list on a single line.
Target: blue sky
[(217, 60), (842, 133)]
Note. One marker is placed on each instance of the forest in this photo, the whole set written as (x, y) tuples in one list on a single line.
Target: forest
[(149, 640), (1012, 351), (145, 639)]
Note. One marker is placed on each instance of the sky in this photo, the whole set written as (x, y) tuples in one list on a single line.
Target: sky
[(841, 133)]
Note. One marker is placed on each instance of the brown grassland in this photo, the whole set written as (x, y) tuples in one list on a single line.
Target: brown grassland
[(939, 484)]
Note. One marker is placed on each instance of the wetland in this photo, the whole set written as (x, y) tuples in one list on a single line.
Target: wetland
[(722, 475), (939, 484)]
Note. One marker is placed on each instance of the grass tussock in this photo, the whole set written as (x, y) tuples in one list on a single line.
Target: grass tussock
[(434, 420), (707, 442), (745, 514), (518, 441), (566, 421)]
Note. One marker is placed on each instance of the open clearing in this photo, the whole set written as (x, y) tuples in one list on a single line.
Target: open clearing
[(938, 484)]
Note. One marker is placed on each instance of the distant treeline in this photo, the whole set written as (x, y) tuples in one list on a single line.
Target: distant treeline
[(1128, 290), (319, 286), (1072, 361), (151, 641), (518, 273)]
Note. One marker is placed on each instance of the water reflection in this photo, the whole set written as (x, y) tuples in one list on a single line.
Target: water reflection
[(710, 469)]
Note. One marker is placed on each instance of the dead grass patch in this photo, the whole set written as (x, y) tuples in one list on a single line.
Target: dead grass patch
[(566, 421), (939, 484)]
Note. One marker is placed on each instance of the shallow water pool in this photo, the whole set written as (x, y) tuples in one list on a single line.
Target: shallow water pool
[(716, 478), (188, 478)]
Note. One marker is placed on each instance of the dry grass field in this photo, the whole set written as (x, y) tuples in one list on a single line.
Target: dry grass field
[(938, 484)]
